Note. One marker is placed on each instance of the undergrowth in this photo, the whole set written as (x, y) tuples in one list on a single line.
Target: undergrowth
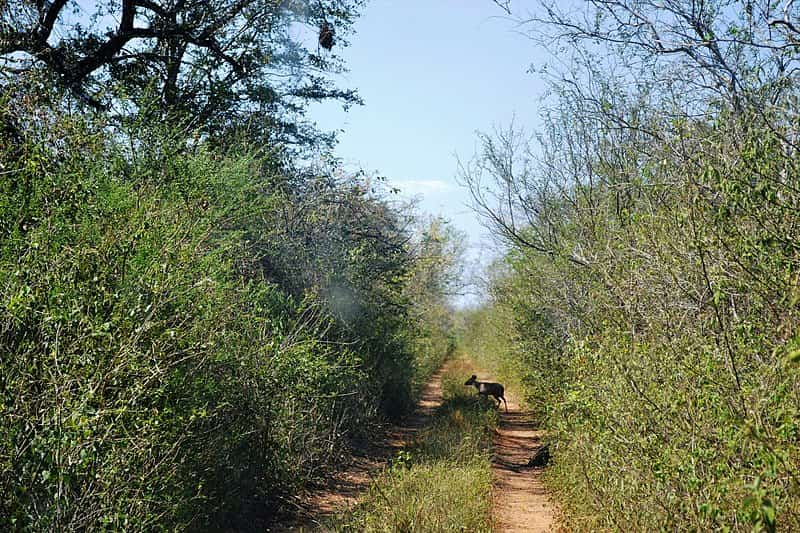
[(442, 482), (665, 369)]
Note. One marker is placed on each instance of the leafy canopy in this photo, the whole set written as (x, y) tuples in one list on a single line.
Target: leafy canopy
[(221, 64)]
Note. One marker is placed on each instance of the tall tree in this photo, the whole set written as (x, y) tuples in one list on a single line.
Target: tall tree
[(221, 63)]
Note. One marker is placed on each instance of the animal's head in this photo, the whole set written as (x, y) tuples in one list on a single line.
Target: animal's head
[(471, 380)]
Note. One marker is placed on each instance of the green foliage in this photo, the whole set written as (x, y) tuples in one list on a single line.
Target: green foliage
[(434, 278), (653, 317), (188, 336), (220, 66)]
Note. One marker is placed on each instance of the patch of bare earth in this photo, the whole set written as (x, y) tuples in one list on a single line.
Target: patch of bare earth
[(519, 499), (342, 491)]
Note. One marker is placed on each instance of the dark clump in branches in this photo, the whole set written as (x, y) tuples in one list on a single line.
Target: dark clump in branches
[(326, 36)]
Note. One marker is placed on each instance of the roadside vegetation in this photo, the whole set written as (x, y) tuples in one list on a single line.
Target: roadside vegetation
[(187, 340), (200, 308), (648, 299), (442, 480)]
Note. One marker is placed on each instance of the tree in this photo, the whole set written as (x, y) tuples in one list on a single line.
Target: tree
[(744, 52), (668, 164), (218, 63)]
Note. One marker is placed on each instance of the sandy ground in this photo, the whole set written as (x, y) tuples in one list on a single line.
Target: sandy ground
[(519, 499)]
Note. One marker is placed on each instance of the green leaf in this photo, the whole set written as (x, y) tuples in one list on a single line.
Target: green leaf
[(769, 511)]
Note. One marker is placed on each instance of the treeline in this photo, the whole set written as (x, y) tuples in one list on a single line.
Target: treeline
[(648, 300), (189, 334), (200, 311)]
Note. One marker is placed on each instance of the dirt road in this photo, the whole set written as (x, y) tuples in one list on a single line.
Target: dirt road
[(519, 499)]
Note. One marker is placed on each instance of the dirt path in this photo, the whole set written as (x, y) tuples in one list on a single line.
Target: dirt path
[(519, 499), (343, 490), (520, 502)]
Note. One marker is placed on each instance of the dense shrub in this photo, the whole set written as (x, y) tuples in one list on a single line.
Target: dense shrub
[(664, 360), (179, 347), (649, 295)]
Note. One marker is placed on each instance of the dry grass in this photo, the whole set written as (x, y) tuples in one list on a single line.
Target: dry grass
[(443, 481)]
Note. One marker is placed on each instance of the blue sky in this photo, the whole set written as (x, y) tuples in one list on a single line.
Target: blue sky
[(432, 73)]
